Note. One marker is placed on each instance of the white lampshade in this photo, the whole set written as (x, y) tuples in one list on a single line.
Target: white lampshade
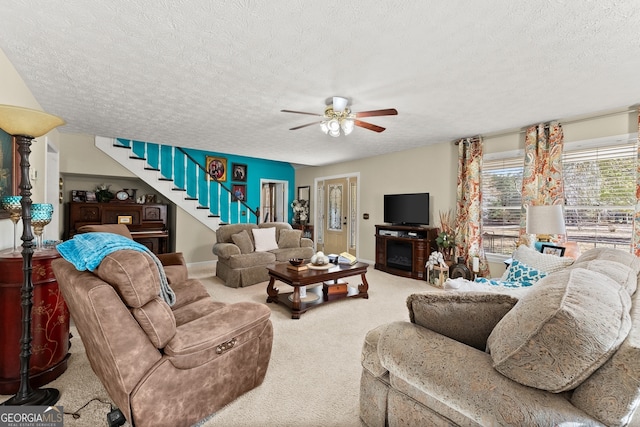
[(339, 104), (547, 219), (27, 122)]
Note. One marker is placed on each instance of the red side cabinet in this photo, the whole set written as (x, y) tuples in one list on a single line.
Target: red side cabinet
[(49, 325)]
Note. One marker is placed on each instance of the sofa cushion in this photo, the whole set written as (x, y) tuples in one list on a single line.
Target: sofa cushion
[(265, 239), (608, 254), (612, 393), (157, 321), (289, 239), (562, 330), (542, 262), (243, 241), (133, 274), (621, 273), (519, 272), (224, 233)]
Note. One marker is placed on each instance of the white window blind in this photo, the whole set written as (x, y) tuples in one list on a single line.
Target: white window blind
[(599, 185), (501, 201)]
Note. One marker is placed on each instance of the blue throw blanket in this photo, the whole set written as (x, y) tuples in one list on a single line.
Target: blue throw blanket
[(86, 251)]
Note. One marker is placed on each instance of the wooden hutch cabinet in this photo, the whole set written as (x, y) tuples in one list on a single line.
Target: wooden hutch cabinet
[(147, 222), (404, 250)]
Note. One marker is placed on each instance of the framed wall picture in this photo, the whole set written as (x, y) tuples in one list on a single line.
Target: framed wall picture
[(238, 192), (552, 250), (239, 172), (216, 168), (125, 219), (78, 196), (9, 169), (304, 193)]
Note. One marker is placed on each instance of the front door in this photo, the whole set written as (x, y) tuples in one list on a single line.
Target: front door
[(339, 211)]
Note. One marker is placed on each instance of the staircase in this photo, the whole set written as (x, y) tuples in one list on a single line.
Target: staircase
[(174, 174)]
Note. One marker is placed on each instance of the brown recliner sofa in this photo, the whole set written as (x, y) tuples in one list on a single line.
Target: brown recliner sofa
[(162, 365)]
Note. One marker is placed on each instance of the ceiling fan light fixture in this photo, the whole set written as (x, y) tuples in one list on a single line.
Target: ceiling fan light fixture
[(347, 126), (334, 125), (339, 104)]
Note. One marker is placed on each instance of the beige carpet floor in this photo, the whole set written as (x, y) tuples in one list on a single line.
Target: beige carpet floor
[(314, 373)]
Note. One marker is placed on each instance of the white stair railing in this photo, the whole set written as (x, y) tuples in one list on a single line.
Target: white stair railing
[(164, 180)]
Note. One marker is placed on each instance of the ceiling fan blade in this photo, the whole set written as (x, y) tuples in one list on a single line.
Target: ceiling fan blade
[(387, 112), (301, 112), (369, 126), (304, 126)]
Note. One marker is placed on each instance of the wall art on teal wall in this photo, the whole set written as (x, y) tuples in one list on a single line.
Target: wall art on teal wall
[(217, 168)]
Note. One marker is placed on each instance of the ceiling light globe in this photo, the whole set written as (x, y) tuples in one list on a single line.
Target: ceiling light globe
[(324, 127), (334, 126), (347, 126)]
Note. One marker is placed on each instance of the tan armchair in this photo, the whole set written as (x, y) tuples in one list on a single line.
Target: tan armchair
[(174, 264), (162, 365)]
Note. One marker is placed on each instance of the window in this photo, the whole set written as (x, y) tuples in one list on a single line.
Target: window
[(501, 204), (599, 185)]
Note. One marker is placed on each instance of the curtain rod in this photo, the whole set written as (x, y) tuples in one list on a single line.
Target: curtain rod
[(562, 122)]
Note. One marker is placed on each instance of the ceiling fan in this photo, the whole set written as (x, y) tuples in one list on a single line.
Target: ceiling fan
[(338, 117)]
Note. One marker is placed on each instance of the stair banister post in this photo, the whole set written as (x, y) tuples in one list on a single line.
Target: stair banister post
[(219, 211), (229, 207), (184, 173), (208, 183), (198, 176)]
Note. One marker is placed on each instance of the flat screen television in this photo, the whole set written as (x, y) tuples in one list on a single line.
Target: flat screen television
[(406, 209)]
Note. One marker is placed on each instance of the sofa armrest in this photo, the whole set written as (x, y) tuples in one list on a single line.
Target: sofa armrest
[(225, 250), (174, 258), (306, 243), (459, 382), (467, 317)]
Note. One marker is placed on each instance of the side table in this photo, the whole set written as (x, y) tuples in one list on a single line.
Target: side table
[(50, 321)]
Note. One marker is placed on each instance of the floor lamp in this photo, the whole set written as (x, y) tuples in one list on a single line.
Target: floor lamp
[(25, 124)]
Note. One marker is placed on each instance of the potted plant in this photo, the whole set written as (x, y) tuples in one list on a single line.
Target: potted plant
[(446, 239), (103, 195)]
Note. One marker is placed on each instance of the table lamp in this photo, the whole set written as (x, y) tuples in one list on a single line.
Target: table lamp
[(543, 221), (24, 125)]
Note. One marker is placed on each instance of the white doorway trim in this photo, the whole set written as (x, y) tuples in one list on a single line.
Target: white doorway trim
[(52, 191), (285, 201)]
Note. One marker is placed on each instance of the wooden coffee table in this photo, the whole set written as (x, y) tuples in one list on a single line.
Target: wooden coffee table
[(310, 277)]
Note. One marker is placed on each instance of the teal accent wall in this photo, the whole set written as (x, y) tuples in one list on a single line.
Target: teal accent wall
[(257, 169)]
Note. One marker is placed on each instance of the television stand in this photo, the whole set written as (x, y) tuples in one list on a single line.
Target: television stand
[(403, 250)]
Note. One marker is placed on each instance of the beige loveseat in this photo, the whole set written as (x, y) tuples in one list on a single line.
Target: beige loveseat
[(567, 352), (241, 258)]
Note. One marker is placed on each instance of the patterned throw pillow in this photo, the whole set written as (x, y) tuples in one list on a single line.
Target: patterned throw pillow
[(520, 272), (243, 242)]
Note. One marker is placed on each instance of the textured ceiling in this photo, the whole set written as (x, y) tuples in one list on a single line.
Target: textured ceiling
[(214, 75)]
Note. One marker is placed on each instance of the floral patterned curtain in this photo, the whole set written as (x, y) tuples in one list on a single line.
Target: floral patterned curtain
[(542, 174), (469, 204), (635, 239)]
